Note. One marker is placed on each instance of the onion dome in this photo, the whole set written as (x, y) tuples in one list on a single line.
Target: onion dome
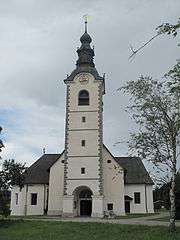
[(85, 62), (85, 38), (85, 52)]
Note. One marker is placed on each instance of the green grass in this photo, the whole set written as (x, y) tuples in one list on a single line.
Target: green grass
[(45, 230), (29, 217)]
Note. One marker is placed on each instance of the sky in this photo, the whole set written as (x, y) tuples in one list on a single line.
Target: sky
[(38, 43)]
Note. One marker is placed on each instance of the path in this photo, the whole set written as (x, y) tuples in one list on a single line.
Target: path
[(147, 220)]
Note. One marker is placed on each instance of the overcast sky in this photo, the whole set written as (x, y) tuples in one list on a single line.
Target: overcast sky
[(38, 42)]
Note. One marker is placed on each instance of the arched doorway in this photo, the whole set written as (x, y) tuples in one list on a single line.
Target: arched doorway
[(83, 201)]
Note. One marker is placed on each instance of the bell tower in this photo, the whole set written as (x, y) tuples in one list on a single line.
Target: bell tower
[(84, 136)]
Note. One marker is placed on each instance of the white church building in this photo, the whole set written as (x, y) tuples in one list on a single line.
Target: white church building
[(85, 179)]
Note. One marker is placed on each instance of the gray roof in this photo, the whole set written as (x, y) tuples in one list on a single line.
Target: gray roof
[(38, 172), (135, 172), (87, 69), (85, 62)]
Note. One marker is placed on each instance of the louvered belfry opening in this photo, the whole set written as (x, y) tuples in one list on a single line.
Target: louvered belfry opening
[(83, 98)]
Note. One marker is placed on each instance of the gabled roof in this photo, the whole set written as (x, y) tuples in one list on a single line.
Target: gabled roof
[(38, 172), (135, 172)]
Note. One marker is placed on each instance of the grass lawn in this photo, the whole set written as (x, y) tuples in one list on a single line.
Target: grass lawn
[(46, 230)]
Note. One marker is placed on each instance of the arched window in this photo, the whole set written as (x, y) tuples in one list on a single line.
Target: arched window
[(83, 98)]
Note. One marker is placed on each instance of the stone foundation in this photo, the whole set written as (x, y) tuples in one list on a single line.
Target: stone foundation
[(54, 213), (67, 215)]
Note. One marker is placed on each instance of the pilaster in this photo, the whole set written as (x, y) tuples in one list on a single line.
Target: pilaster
[(68, 201), (97, 206)]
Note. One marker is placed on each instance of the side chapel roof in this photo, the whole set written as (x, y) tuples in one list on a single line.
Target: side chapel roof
[(135, 172), (38, 172)]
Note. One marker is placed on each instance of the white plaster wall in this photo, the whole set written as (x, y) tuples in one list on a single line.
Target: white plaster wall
[(19, 208), (91, 87), (140, 208), (75, 120), (38, 209), (97, 206), (89, 163), (56, 184), (150, 205), (91, 144), (113, 183), (93, 184), (68, 210)]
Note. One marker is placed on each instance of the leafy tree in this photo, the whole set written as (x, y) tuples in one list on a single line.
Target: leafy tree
[(161, 195), (155, 108), (1, 143), (171, 139), (165, 28), (12, 173)]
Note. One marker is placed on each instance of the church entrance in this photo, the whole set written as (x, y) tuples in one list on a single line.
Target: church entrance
[(85, 207), (83, 201)]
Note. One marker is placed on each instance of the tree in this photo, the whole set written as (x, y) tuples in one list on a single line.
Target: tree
[(156, 109), (161, 195), (12, 173), (178, 196), (1, 142), (165, 28)]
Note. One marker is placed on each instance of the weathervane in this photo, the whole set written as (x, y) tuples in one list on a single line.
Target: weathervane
[(86, 18)]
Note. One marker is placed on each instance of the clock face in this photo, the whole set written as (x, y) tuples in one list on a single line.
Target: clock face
[(83, 78)]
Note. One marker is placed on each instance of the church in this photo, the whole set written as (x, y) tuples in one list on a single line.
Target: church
[(85, 179)]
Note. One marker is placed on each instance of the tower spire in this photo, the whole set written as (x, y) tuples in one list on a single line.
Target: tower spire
[(85, 61), (85, 52)]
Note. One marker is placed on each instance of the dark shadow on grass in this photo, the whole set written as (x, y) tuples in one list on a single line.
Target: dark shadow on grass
[(6, 223)]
